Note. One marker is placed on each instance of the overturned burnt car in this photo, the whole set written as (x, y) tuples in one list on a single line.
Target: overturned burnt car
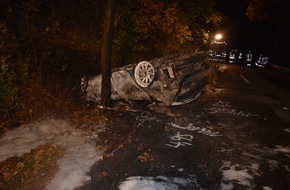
[(170, 80)]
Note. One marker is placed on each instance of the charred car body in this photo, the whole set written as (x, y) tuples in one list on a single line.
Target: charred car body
[(171, 80)]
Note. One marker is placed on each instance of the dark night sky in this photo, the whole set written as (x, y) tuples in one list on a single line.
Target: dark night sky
[(240, 32)]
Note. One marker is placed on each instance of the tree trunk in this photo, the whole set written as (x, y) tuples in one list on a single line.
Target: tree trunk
[(107, 52)]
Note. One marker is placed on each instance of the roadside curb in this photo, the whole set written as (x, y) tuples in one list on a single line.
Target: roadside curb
[(282, 69)]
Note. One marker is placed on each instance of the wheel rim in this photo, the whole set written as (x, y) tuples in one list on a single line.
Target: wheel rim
[(144, 73), (84, 83)]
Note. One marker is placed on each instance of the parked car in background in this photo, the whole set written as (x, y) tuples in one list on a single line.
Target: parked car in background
[(170, 80), (218, 51)]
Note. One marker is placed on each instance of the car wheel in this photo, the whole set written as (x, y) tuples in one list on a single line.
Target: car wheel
[(84, 83), (144, 73)]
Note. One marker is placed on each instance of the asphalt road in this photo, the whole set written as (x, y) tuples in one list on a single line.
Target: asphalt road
[(236, 135)]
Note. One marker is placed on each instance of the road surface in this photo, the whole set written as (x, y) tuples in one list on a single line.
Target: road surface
[(236, 135)]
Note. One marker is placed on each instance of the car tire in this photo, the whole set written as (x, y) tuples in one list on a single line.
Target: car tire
[(144, 73)]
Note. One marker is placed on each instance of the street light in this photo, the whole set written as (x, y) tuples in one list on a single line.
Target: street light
[(218, 37)]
